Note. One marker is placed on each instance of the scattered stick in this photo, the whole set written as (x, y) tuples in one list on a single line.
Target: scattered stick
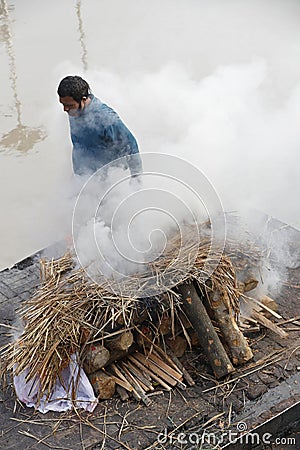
[(293, 319), (268, 324)]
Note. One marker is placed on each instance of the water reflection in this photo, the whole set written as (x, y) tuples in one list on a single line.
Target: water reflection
[(21, 138), (84, 55)]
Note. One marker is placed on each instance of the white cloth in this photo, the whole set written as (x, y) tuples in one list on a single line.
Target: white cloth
[(76, 387)]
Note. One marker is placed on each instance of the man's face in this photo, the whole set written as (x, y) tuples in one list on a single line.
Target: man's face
[(70, 105)]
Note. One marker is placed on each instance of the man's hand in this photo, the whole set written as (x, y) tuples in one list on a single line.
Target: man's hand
[(136, 181)]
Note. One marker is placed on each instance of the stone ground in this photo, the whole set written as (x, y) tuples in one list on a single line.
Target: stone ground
[(254, 394)]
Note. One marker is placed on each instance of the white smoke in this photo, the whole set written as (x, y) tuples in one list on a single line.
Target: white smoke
[(217, 84)]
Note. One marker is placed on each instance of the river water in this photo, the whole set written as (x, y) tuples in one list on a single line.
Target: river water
[(217, 83)]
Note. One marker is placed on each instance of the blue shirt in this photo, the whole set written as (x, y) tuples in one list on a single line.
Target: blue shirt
[(99, 137)]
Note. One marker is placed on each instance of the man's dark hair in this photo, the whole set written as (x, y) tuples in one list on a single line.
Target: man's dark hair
[(75, 87)]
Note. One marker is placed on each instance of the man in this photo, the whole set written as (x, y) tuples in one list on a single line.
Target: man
[(98, 134)]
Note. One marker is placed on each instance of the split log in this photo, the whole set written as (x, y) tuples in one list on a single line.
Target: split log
[(95, 357), (208, 337), (238, 346), (120, 377), (121, 342), (145, 382), (178, 345), (171, 372), (103, 384), (248, 285), (136, 385), (259, 305)]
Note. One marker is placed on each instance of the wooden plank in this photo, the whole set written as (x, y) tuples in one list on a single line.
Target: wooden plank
[(149, 372), (154, 368)]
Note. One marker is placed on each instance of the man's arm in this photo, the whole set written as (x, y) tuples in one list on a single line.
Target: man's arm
[(125, 144)]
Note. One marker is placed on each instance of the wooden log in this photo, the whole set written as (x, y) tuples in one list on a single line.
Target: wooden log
[(103, 384), (178, 345), (118, 355), (268, 324), (121, 342), (95, 357), (239, 349), (248, 285), (208, 337)]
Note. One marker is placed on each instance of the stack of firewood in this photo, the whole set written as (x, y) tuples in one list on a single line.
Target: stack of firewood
[(138, 374), (130, 343)]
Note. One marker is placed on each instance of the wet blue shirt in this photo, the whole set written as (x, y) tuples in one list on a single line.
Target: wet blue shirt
[(99, 137)]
